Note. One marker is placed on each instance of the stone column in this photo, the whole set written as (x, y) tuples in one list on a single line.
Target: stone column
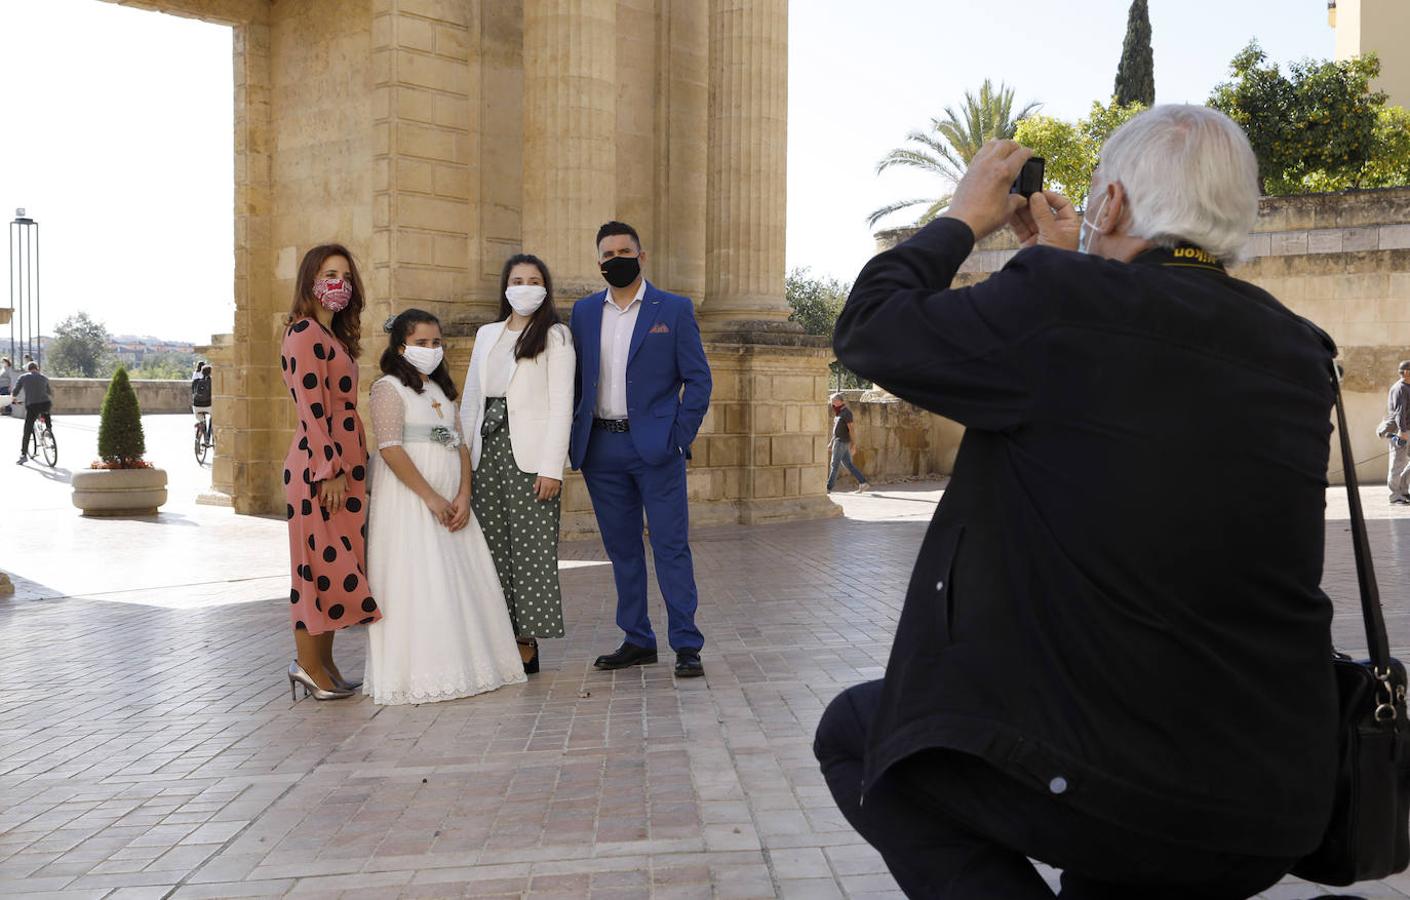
[(744, 265), (682, 145), (570, 121)]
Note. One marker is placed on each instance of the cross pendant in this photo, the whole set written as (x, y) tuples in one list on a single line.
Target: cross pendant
[(436, 405)]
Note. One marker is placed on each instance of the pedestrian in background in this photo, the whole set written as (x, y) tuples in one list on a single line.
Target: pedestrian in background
[(844, 434), (8, 377), (1398, 430)]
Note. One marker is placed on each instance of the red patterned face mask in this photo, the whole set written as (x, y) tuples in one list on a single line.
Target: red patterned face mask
[(334, 293)]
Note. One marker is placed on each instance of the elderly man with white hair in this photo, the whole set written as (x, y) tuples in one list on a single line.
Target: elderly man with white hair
[(1114, 655)]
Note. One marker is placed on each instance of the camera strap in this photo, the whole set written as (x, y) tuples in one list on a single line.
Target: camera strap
[(1183, 255)]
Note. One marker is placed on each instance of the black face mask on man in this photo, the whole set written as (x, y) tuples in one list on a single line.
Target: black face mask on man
[(621, 271)]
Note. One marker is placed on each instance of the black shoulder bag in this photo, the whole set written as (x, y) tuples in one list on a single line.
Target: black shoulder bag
[(1368, 836)]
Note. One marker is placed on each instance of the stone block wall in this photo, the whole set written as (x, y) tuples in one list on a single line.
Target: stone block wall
[(1343, 261), (84, 396)]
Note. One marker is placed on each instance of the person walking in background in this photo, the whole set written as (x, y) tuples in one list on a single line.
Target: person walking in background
[(843, 440), (447, 632), (517, 413), (638, 347), (8, 377), (325, 471), (32, 391), (1398, 422)]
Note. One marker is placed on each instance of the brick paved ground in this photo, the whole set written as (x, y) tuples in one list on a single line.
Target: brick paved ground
[(149, 748)]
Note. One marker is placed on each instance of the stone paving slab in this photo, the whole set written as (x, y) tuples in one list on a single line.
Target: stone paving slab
[(149, 747)]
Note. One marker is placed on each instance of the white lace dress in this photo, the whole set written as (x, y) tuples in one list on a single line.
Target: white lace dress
[(445, 629)]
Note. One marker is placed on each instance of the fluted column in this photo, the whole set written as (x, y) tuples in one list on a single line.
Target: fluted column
[(746, 190), (570, 118), (682, 148)]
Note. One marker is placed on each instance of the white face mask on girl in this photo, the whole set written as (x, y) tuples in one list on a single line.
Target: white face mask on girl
[(425, 359), (525, 298)]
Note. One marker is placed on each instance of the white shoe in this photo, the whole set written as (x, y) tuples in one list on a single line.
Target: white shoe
[(863, 487)]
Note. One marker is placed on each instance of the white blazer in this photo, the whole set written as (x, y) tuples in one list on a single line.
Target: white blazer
[(540, 398)]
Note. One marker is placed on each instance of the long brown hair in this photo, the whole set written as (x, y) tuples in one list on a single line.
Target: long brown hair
[(347, 322), (534, 337), (393, 363)]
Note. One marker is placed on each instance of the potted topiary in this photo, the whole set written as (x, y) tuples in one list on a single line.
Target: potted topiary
[(120, 483)]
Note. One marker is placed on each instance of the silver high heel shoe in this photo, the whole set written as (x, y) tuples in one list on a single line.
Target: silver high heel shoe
[(343, 684), (297, 676)]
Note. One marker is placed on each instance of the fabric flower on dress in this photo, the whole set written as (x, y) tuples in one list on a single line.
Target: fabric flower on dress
[(444, 436)]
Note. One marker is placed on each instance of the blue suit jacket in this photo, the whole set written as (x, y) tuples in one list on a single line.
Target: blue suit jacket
[(665, 355)]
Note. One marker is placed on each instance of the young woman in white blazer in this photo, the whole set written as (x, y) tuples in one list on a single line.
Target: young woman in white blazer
[(517, 412)]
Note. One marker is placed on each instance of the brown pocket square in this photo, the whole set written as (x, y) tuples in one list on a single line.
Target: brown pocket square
[(659, 328)]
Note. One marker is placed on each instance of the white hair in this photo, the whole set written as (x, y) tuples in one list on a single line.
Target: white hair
[(1190, 176)]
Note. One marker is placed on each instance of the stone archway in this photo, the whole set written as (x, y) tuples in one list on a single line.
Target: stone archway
[(436, 137)]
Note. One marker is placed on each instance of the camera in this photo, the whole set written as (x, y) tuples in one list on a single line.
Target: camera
[(1030, 178)]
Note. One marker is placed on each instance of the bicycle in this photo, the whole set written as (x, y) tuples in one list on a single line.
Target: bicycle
[(205, 438), (43, 441)]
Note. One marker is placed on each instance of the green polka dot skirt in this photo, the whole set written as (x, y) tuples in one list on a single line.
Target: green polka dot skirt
[(521, 530)]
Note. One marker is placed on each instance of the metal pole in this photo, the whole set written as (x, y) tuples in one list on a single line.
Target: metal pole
[(11, 279), (38, 315), (27, 279)]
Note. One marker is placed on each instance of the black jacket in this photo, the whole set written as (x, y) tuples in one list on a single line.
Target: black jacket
[(1118, 599)]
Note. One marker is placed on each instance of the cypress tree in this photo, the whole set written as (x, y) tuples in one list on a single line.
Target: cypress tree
[(1135, 76), (120, 439)]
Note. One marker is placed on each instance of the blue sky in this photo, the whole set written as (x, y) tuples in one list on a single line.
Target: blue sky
[(126, 161)]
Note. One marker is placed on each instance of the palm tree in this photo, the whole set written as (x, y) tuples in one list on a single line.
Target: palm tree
[(951, 142)]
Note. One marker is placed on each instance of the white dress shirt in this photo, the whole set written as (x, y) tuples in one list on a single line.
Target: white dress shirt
[(501, 363), (617, 327)]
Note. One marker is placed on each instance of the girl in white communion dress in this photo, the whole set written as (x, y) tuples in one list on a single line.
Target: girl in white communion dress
[(445, 629)]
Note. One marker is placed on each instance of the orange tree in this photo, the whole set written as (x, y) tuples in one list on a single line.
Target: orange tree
[(1314, 126)]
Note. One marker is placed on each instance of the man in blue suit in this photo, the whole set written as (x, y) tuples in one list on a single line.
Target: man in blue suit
[(642, 390)]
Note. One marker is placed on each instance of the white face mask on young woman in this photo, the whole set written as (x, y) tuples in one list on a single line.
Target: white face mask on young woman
[(425, 359), (525, 299)]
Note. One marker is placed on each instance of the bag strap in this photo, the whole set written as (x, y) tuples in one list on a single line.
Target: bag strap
[(1376, 641)]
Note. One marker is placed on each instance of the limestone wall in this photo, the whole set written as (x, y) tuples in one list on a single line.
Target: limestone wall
[(1343, 261), (84, 396)]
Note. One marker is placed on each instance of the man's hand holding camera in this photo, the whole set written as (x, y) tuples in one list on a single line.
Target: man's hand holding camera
[(983, 200)]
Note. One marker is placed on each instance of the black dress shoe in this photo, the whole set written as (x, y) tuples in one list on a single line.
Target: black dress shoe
[(532, 666), (688, 664), (627, 655)]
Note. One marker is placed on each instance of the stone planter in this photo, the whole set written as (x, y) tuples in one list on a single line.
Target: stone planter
[(119, 492)]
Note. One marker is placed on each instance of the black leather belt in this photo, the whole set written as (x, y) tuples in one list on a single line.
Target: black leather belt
[(617, 425)]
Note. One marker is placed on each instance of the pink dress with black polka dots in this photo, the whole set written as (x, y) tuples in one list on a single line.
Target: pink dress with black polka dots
[(327, 552)]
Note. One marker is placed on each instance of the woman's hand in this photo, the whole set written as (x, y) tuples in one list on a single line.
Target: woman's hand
[(440, 507), (331, 492), (546, 489), (460, 511)]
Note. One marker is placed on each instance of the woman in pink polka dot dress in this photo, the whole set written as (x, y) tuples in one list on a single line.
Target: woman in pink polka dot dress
[(326, 470)]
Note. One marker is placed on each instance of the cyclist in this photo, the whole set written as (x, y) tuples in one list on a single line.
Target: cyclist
[(32, 390), (201, 399)]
